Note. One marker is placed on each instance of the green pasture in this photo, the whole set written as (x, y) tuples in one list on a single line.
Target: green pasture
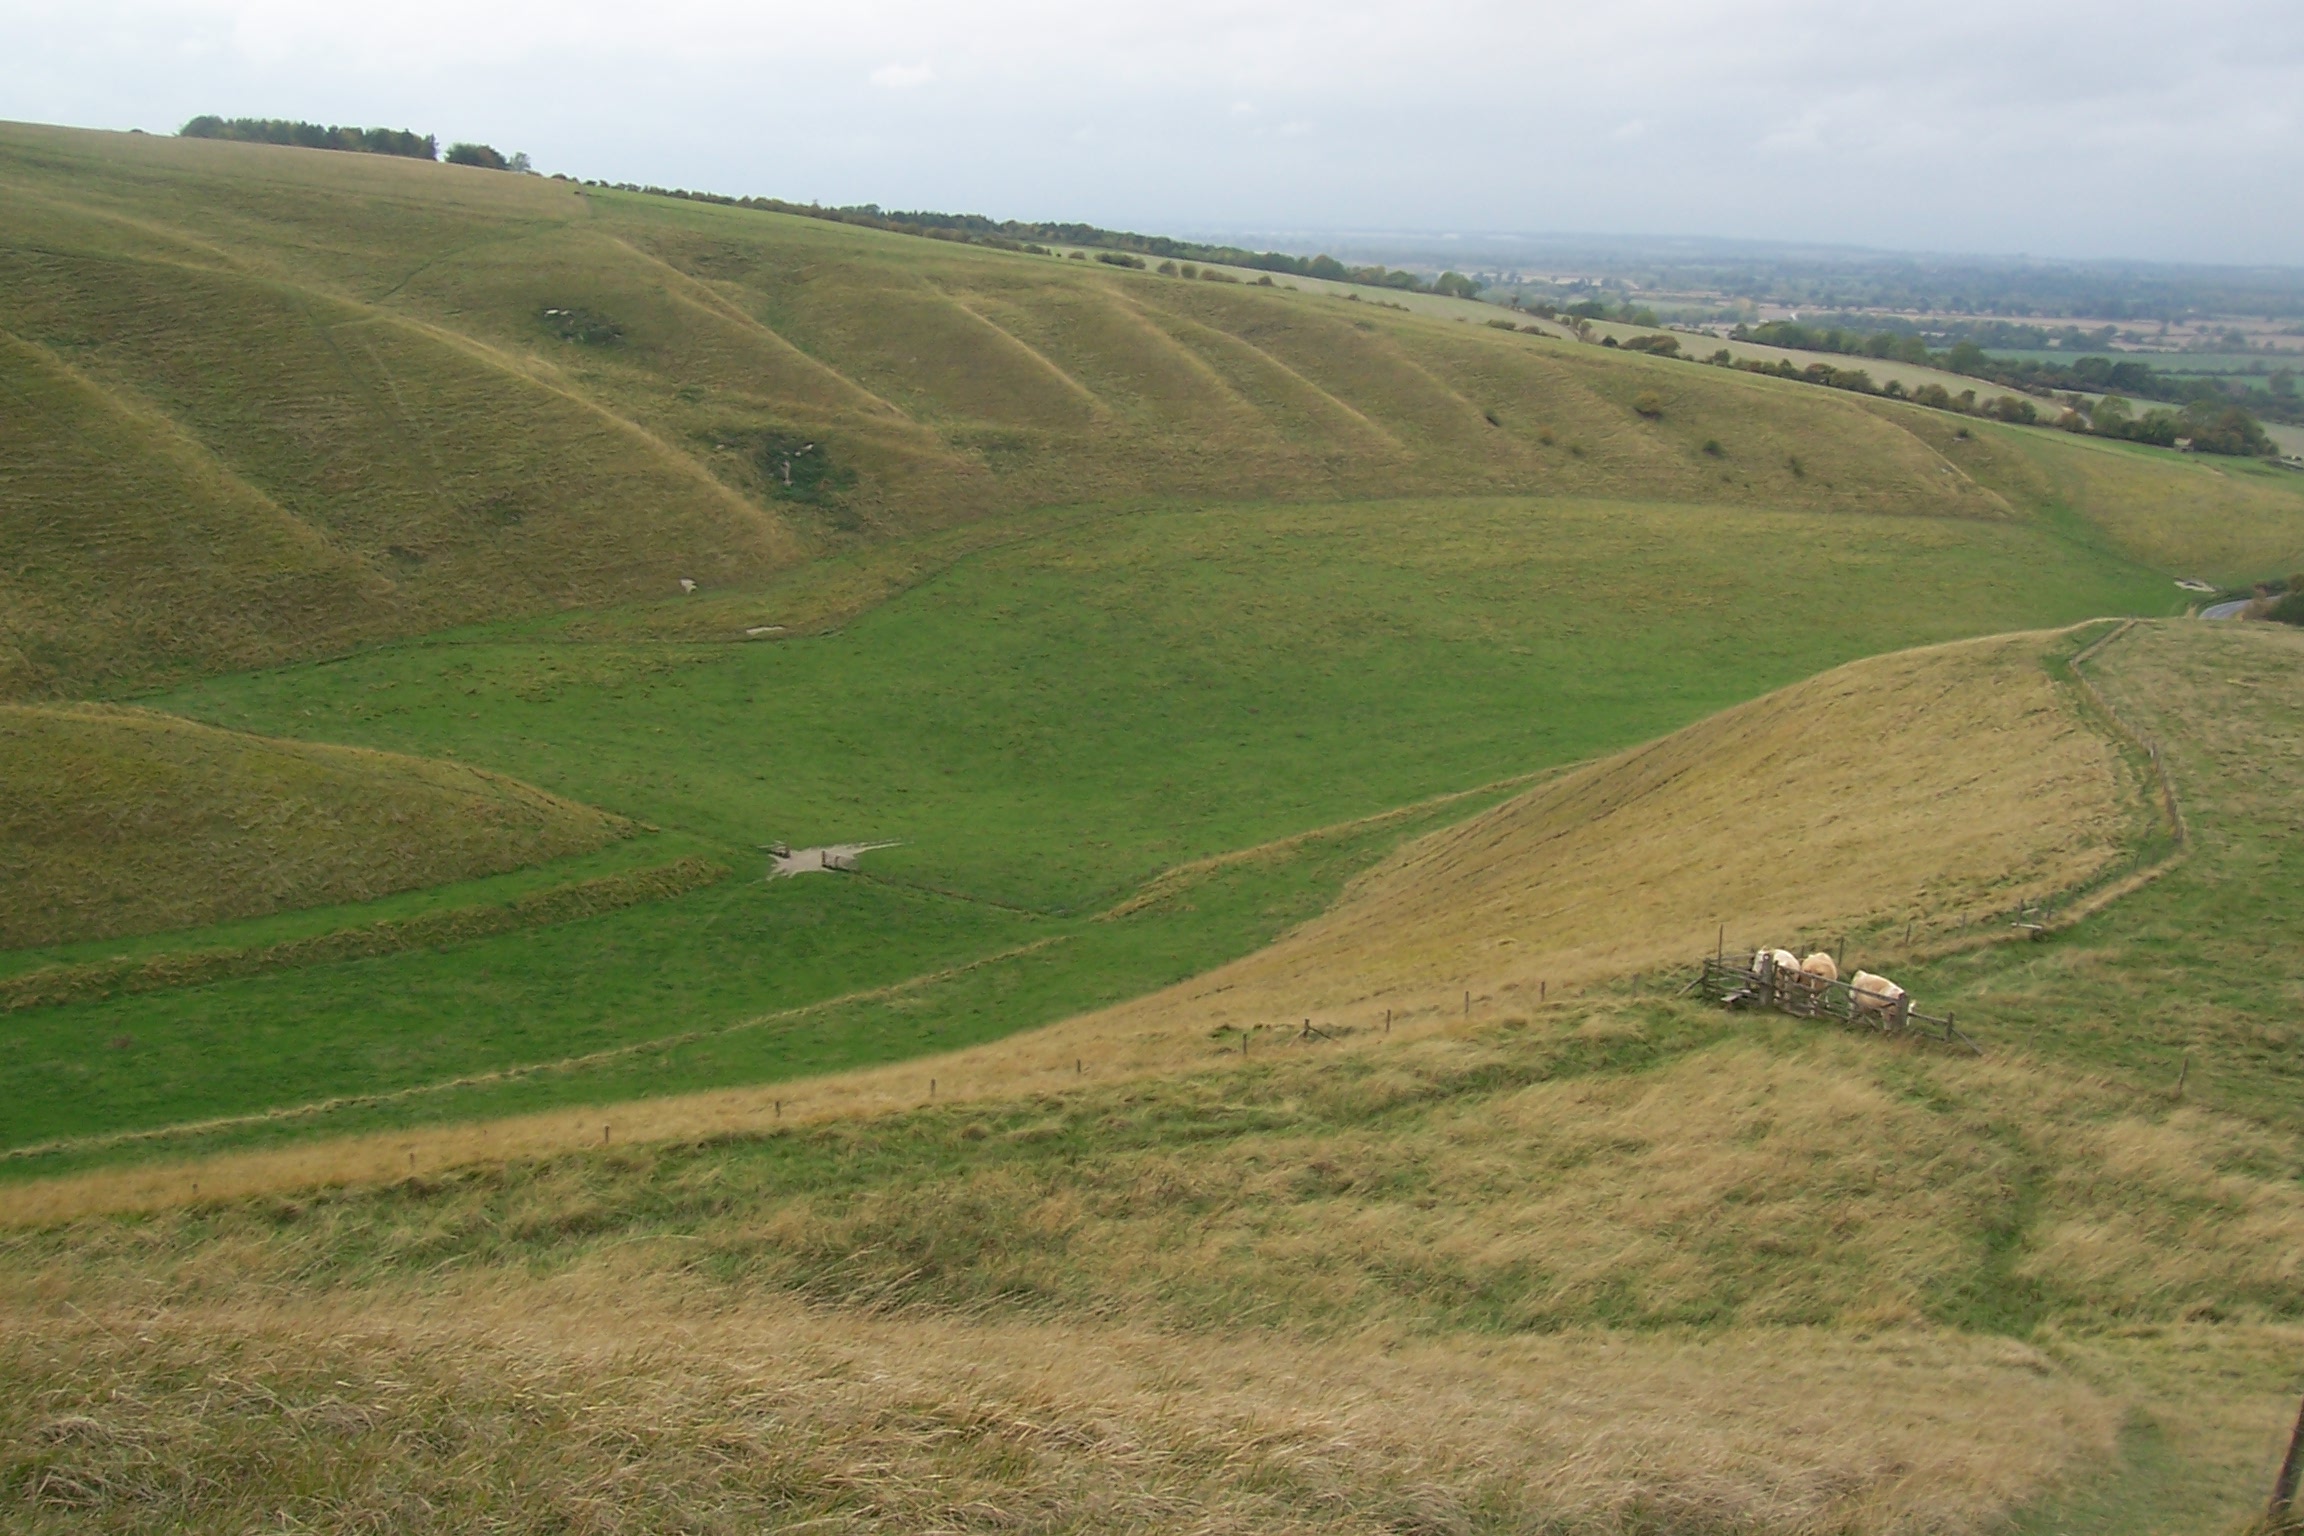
[(1049, 723), (2191, 979), (747, 982), (1042, 726)]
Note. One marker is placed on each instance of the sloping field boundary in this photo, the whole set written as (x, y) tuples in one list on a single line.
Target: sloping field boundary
[(559, 904)]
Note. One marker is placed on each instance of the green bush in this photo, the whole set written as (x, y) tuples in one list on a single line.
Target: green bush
[(275, 130), (801, 469)]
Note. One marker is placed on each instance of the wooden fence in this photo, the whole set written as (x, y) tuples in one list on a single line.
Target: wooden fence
[(1736, 984)]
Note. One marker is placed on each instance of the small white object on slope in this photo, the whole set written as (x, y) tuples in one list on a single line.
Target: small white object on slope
[(810, 861)]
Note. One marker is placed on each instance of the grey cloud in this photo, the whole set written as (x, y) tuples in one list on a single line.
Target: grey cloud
[(2123, 129)]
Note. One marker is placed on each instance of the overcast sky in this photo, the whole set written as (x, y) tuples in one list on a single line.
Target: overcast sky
[(2172, 129)]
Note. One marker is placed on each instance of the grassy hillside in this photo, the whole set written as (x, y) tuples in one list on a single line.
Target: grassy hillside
[(1045, 727), (1921, 791), (271, 402), (1614, 1262), (122, 821)]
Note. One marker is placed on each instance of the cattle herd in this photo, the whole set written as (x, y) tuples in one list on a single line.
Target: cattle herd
[(1866, 992)]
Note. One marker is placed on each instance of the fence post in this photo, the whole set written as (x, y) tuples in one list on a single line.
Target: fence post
[(2284, 1486)]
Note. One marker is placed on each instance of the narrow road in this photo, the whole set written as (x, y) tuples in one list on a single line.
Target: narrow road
[(2229, 610)]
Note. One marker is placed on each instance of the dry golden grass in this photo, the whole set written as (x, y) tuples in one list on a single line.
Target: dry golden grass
[(579, 1406), (624, 1374), (1935, 785), (123, 821)]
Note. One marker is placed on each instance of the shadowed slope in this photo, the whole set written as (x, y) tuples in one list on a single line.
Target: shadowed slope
[(121, 821)]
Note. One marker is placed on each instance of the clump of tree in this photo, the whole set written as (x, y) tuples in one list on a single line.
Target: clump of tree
[(280, 130), (2204, 425), (1855, 379), (2284, 600), (1626, 313), (2206, 406), (487, 158), (1884, 345), (1024, 235), (1660, 344)]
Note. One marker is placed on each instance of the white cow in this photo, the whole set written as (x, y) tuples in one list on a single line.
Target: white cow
[(1874, 994)]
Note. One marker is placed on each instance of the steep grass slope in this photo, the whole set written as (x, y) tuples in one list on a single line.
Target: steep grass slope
[(1929, 788), (352, 397), (1613, 1262), (123, 821)]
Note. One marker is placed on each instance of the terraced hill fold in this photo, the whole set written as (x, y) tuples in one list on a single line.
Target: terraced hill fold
[(121, 821), (348, 397)]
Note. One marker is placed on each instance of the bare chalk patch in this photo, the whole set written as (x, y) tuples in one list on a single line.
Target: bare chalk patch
[(842, 857)]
